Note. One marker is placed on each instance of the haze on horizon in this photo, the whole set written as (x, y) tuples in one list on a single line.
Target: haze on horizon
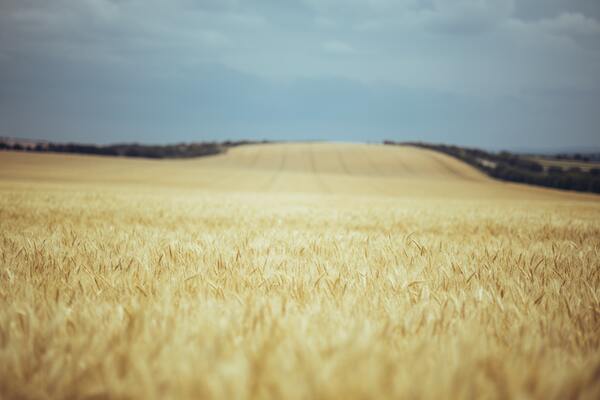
[(486, 73)]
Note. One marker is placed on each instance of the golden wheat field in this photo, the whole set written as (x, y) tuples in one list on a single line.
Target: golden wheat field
[(293, 271)]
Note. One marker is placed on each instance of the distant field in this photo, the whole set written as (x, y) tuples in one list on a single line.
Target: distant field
[(585, 166), (310, 270)]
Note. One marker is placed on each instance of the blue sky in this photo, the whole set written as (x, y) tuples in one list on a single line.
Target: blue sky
[(487, 73)]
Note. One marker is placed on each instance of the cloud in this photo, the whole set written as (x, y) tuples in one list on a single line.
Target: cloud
[(213, 38), (371, 25), (535, 10), (467, 16), (337, 47), (325, 23), (463, 17), (570, 24)]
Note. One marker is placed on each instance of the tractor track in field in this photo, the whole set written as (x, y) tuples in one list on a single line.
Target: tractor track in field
[(348, 173), (446, 165), (342, 163), (405, 165), (378, 172), (238, 171), (315, 173), (270, 184)]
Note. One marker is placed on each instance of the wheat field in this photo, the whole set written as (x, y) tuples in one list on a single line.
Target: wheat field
[(293, 271)]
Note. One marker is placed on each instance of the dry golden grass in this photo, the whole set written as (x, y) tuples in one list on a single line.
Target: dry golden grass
[(293, 271)]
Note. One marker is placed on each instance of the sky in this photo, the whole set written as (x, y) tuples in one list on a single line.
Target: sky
[(485, 73)]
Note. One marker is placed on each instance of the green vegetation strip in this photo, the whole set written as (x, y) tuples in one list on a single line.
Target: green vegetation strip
[(181, 150), (518, 168)]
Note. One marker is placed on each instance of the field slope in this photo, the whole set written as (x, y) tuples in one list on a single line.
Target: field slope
[(293, 270), (314, 168)]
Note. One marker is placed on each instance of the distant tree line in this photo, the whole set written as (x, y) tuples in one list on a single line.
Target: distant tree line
[(592, 157), (181, 150), (515, 168)]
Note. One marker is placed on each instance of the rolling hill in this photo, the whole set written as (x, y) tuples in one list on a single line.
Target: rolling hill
[(317, 168)]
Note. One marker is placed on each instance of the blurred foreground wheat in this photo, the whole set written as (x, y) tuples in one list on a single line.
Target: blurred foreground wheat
[(174, 294)]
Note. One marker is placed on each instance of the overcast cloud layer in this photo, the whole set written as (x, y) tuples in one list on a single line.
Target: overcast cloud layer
[(489, 73)]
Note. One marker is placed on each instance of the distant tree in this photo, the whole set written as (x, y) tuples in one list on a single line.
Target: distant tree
[(594, 185)]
